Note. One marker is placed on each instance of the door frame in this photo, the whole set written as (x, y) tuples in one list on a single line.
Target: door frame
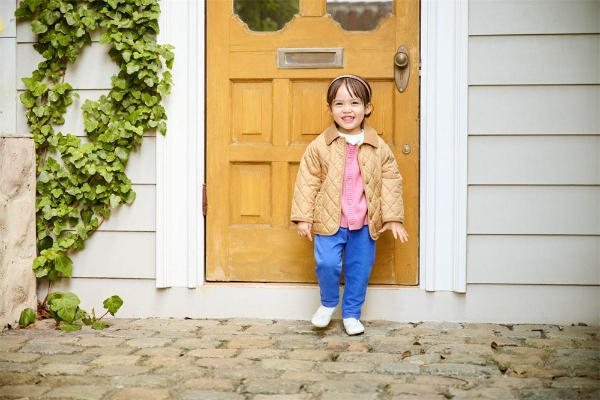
[(180, 155)]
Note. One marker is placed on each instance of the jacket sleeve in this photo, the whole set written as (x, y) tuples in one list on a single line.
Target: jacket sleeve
[(392, 205), (308, 184)]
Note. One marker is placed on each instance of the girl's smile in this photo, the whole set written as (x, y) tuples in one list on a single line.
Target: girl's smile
[(348, 111)]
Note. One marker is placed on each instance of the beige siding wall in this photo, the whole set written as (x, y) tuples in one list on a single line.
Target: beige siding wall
[(534, 143), (124, 246)]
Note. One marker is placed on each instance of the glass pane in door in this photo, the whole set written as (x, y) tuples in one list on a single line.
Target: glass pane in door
[(364, 15), (266, 15)]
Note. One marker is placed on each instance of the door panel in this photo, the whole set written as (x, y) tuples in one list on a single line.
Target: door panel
[(260, 119)]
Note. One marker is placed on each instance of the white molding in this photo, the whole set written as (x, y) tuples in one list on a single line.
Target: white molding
[(180, 154), (444, 90), (192, 122), (162, 183), (498, 304)]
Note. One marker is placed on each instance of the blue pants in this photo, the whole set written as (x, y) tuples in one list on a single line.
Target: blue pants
[(359, 254)]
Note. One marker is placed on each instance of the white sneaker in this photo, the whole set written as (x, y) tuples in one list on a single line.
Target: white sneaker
[(323, 315), (353, 326)]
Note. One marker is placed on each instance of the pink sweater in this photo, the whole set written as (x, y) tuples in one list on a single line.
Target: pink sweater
[(354, 203)]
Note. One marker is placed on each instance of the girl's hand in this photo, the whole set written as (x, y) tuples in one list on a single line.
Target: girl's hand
[(305, 229), (397, 229)]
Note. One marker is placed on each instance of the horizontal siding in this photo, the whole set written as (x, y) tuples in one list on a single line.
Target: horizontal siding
[(534, 110), (543, 210), (556, 260), (533, 146), (8, 104), (139, 216), (93, 69), (533, 17), (534, 160), (522, 60), (117, 255), (141, 167)]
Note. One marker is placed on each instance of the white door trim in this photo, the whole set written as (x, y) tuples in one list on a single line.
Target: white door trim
[(180, 155), (444, 95)]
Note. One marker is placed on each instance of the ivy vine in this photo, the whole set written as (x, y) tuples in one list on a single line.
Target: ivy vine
[(79, 182)]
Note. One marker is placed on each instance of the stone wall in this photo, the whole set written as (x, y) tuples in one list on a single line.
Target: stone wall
[(17, 228)]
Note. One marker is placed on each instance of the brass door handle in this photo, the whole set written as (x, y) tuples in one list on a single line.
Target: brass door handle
[(401, 68)]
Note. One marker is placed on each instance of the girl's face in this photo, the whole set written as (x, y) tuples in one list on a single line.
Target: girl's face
[(348, 111)]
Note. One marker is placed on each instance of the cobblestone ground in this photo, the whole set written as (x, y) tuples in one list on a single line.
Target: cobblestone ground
[(238, 359)]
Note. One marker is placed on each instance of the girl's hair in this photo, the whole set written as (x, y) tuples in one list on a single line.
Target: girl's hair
[(357, 87)]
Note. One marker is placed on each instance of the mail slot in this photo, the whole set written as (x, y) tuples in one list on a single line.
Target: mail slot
[(310, 58)]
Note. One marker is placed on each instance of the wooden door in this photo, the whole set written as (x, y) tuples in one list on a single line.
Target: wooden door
[(260, 117)]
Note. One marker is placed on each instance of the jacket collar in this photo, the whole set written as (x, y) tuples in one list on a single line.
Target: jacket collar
[(371, 136)]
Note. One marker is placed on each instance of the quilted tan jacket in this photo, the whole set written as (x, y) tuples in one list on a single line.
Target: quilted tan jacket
[(318, 189)]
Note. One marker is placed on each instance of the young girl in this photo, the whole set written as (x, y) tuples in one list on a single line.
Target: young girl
[(348, 191)]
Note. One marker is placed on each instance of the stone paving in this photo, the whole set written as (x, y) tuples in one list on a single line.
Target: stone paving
[(240, 359)]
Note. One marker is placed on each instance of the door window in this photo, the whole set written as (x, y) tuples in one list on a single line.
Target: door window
[(266, 15), (359, 15)]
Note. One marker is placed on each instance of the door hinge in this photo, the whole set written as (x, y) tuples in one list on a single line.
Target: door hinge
[(204, 199)]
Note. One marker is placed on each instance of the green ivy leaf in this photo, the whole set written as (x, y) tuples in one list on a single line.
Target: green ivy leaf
[(115, 200), (149, 100), (27, 99), (99, 325), (112, 304), (27, 7), (40, 273), (64, 265), (108, 177), (65, 305), (70, 327), (39, 111), (65, 7), (53, 274), (82, 231), (27, 317), (121, 153), (162, 128), (46, 129), (39, 261), (44, 243), (113, 3), (38, 28), (130, 197), (90, 124), (70, 18), (86, 215), (65, 243)]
